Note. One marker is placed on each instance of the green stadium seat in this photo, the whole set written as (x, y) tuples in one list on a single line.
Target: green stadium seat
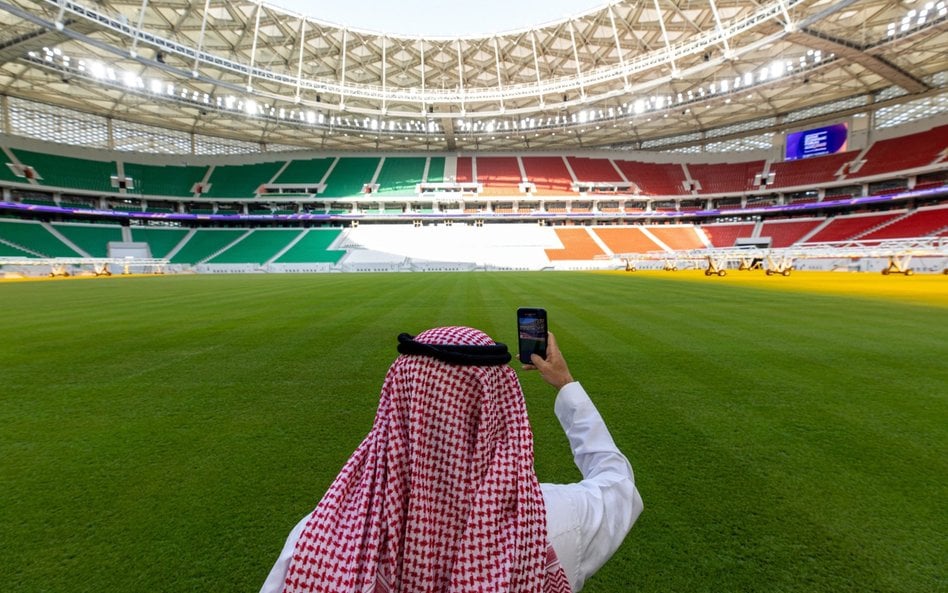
[(160, 241), (305, 171), (34, 236), (435, 170), (313, 247), (349, 176), (91, 238), (166, 180), (258, 247), (400, 175), (240, 181), (69, 172), (204, 243)]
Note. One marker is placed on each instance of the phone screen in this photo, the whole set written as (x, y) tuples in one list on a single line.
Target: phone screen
[(531, 333)]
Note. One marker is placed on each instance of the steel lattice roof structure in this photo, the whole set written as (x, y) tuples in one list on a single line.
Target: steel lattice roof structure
[(627, 73)]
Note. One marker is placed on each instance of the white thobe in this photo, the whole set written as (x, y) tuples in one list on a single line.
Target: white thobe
[(586, 521)]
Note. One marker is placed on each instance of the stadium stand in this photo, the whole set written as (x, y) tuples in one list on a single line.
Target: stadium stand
[(167, 180), (627, 240), (240, 181), (69, 172), (313, 247), (257, 247), (203, 244), (34, 237), (726, 235), (920, 223), (435, 170), (464, 173), (654, 179), (91, 238), (784, 233), (904, 153), (723, 178), (304, 171), (349, 176), (594, 170), (844, 228), (8, 250), (678, 237), (400, 175), (577, 245), (810, 171), (500, 175), (7, 174), (160, 240), (549, 175)]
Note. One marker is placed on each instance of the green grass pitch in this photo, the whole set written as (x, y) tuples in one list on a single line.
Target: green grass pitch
[(164, 434)]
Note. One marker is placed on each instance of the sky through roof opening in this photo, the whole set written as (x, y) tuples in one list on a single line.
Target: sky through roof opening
[(426, 18)]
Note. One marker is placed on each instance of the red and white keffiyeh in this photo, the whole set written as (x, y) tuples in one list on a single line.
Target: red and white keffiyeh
[(441, 496)]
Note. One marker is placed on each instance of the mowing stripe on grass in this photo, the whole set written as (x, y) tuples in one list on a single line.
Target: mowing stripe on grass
[(164, 434)]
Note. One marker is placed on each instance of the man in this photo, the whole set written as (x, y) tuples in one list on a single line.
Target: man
[(442, 494)]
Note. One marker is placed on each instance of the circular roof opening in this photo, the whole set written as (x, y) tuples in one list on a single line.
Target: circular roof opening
[(426, 18)]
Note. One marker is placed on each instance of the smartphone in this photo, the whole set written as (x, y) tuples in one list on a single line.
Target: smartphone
[(531, 333)]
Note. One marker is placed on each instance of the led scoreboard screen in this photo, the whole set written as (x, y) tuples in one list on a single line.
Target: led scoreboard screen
[(816, 142)]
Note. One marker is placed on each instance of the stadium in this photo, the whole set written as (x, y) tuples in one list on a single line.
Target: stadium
[(735, 213)]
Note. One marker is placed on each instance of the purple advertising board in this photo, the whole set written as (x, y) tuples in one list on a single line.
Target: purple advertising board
[(816, 142)]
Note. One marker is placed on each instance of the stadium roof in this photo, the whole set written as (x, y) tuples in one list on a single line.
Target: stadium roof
[(629, 73)]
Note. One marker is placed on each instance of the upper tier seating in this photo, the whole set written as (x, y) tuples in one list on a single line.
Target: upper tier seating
[(722, 178), (905, 152), (577, 244), (594, 170), (465, 170), (655, 179), (549, 175), (921, 223), (809, 172), (784, 233), (240, 181), (168, 180), (400, 175), (7, 174), (726, 235), (435, 170), (499, 175), (349, 176), (627, 240), (304, 171), (844, 228), (68, 172)]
